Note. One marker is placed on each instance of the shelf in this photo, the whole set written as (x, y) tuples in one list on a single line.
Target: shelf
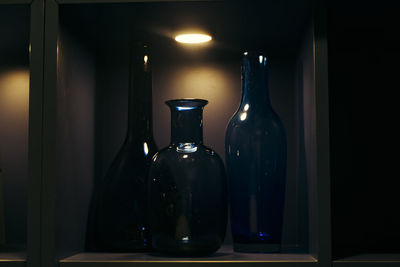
[(85, 89), (369, 260), (224, 256), (12, 259)]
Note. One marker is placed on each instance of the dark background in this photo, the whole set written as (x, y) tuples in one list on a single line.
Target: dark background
[(363, 41)]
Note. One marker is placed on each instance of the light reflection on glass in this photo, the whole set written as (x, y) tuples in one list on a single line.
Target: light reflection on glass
[(145, 148), (146, 58), (185, 156), (260, 58), (186, 148), (243, 116), (185, 108), (246, 107)]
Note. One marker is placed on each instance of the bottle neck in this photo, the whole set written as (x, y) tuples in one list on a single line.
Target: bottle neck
[(255, 81), (140, 123), (187, 126), (187, 121)]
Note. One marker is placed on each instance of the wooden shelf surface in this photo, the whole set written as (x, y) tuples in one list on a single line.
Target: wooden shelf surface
[(223, 256), (12, 258)]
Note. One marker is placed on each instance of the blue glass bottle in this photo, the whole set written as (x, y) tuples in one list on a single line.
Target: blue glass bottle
[(188, 203), (117, 220), (255, 146)]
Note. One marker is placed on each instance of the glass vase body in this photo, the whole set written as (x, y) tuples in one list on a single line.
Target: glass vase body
[(117, 219), (255, 146), (188, 188)]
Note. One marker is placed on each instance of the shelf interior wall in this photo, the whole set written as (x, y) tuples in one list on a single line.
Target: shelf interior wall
[(14, 106), (363, 54), (92, 87)]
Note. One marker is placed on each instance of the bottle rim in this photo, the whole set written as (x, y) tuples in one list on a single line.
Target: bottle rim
[(187, 102)]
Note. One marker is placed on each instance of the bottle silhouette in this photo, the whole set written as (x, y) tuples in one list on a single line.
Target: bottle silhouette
[(188, 191), (255, 146), (118, 217)]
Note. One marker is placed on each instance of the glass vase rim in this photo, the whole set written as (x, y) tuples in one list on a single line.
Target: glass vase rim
[(187, 102)]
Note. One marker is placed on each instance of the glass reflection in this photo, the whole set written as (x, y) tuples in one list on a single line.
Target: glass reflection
[(145, 148), (243, 116)]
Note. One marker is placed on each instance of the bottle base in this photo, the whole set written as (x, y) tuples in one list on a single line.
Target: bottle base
[(257, 248), (185, 249), (120, 247)]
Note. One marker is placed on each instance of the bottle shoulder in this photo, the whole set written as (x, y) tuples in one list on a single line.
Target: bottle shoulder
[(255, 120), (196, 152)]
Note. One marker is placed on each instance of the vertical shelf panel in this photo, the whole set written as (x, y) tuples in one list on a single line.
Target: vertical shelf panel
[(21, 72), (35, 133), (14, 117)]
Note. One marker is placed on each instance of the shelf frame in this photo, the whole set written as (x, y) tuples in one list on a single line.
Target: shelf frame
[(369, 260), (31, 257), (15, 2), (35, 154), (320, 45)]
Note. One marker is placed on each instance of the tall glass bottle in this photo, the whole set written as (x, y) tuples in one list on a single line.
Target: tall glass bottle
[(255, 146), (188, 197), (117, 220)]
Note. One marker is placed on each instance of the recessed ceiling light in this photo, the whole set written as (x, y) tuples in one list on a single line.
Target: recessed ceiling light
[(193, 38)]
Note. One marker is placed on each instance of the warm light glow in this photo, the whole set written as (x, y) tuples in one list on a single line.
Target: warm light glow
[(246, 107), (146, 58), (245, 53), (14, 92), (193, 38)]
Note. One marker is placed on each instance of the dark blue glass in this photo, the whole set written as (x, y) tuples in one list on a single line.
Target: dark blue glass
[(188, 188), (255, 146), (117, 220)]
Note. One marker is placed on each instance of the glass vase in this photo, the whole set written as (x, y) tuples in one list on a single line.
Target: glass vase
[(117, 220), (255, 145), (188, 188)]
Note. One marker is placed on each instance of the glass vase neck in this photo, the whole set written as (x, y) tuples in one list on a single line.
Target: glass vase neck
[(186, 121), (140, 93), (255, 80)]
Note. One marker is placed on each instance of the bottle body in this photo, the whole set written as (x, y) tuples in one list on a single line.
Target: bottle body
[(118, 219), (255, 146), (188, 192), (120, 222)]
